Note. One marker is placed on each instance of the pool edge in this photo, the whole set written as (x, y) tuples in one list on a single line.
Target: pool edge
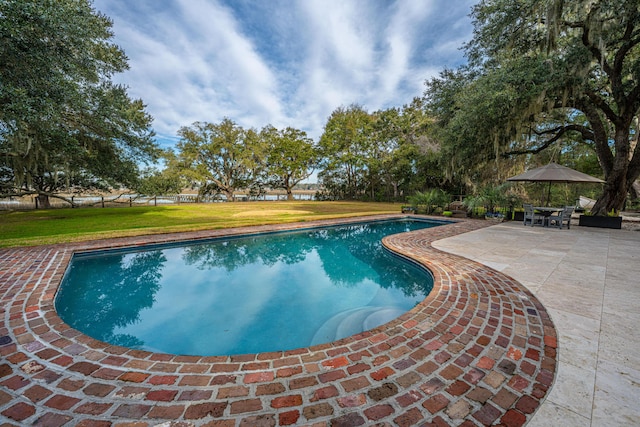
[(42, 347)]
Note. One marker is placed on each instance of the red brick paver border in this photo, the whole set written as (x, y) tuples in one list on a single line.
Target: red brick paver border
[(479, 350)]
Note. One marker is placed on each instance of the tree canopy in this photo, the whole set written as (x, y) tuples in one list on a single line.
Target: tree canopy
[(344, 145), (543, 73), (63, 122), (222, 158), (291, 157), (384, 155)]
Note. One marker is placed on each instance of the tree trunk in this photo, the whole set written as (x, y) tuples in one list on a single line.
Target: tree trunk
[(288, 187), (635, 190), (229, 195), (43, 201), (617, 178), (613, 196)]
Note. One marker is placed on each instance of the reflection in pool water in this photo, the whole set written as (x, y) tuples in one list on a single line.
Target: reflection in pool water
[(244, 295)]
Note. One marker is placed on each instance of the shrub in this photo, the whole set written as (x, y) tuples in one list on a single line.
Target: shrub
[(430, 199)]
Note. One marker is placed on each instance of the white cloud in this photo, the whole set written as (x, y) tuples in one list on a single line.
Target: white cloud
[(396, 66), (283, 63)]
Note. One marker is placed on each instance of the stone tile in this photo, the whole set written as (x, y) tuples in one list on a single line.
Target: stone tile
[(578, 338), (617, 391), (586, 276), (551, 414), (619, 342), (569, 298), (593, 303), (621, 297), (529, 272), (573, 389)]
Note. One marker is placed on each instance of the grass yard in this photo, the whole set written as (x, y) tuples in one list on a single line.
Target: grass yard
[(27, 228)]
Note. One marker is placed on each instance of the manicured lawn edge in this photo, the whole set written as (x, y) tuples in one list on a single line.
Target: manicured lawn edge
[(32, 228)]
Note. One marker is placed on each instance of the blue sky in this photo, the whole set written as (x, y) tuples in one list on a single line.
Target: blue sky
[(281, 62)]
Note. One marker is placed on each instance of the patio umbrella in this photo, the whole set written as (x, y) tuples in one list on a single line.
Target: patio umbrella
[(554, 172)]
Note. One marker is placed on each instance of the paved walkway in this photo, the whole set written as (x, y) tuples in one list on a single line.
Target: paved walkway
[(479, 350), (589, 280)]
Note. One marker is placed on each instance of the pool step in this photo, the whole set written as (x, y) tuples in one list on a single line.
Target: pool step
[(354, 321)]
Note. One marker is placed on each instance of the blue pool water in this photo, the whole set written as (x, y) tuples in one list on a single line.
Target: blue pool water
[(251, 294)]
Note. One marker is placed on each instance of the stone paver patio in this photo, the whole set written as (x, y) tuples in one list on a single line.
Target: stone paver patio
[(479, 350), (589, 281)]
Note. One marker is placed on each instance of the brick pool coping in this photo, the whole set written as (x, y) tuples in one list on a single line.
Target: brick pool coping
[(479, 350)]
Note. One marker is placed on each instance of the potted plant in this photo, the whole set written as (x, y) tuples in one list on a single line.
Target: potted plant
[(511, 201), (518, 215), (613, 220)]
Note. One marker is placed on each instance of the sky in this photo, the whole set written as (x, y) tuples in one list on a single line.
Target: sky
[(281, 62)]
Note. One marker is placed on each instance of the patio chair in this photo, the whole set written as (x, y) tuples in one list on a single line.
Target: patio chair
[(558, 220), (531, 217)]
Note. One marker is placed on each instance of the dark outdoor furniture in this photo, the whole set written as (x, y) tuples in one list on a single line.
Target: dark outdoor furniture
[(562, 217), (546, 213), (531, 217)]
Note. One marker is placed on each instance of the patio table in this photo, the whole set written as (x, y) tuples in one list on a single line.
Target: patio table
[(546, 212)]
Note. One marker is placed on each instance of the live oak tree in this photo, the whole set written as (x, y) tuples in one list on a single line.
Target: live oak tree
[(154, 182), (542, 72), (403, 152), (291, 157), (384, 155), (63, 123), (344, 145), (222, 157)]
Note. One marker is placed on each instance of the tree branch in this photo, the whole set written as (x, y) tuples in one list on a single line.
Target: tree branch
[(22, 193), (634, 96), (559, 132), (600, 103), (605, 156), (629, 43), (595, 51), (17, 194), (633, 172)]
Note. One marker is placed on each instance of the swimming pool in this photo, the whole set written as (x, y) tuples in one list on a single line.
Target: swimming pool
[(248, 294)]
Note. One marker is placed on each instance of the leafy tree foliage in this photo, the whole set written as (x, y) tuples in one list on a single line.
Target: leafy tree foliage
[(63, 123), (384, 155), (291, 157), (344, 145), (410, 156), (222, 157), (157, 183), (543, 73)]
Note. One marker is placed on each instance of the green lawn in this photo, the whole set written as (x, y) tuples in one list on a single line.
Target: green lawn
[(72, 225)]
